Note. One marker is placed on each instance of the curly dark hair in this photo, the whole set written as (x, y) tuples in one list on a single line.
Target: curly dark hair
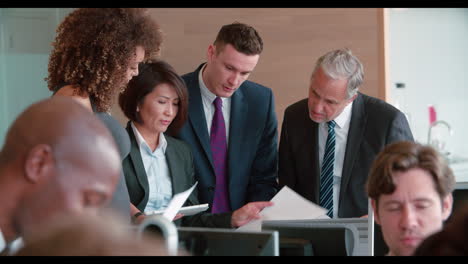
[(93, 47)]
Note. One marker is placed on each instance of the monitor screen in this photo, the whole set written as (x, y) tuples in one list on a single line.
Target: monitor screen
[(339, 236), (321, 237), (460, 199), (200, 241)]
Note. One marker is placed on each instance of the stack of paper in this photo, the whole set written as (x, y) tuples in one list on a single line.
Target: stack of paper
[(175, 205), (288, 205)]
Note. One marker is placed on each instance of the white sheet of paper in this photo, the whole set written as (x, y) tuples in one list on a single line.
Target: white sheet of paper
[(288, 205), (254, 225), (176, 203)]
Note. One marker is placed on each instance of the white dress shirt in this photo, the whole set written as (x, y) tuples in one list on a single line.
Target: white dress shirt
[(157, 171), (16, 245), (341, 137), (2, 241), (207, 98)]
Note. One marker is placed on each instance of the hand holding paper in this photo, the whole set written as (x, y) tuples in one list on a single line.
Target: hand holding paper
[(176, 203), (247, 213), (288, 205)]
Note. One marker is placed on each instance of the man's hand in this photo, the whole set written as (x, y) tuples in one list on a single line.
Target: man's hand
[(248, 213)]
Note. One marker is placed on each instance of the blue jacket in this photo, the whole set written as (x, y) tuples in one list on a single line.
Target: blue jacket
[(252, 149)]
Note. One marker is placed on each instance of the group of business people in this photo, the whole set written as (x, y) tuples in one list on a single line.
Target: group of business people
[(328, 144), (215, 127), (364, 125)]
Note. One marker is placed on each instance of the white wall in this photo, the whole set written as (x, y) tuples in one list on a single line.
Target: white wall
[(429, 53), (25, 43)]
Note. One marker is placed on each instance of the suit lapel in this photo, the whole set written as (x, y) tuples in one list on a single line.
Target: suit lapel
[(355, 135), (310, 142), (237, 126), (308, 151), (197, 115), (137, 161), (175, 169)]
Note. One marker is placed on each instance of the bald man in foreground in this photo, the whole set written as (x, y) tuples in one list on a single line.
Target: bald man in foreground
[(58, 158)]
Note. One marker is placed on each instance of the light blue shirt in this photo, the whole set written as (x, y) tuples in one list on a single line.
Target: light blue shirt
[(207, 98), (157, 171)]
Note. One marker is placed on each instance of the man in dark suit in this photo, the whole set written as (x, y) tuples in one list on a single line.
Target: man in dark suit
[(249, 125), (360, 128)]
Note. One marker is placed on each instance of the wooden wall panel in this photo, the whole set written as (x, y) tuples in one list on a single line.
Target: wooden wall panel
[(293, 38)]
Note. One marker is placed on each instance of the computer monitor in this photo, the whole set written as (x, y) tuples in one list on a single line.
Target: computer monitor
[(341, 236), (376, 243), (460, 199), (320, 237), (200, 241)]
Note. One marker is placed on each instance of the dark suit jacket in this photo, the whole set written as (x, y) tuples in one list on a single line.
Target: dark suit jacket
[(252, 149), (180, 163), (374, 124)]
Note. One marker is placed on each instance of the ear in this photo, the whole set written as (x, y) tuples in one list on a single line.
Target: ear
[(447, 204), (39, 163), (352, 98), (376, 214), (211, 52)]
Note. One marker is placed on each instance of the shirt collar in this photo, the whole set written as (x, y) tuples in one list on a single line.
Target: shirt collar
[(345, 116), (143, 145)]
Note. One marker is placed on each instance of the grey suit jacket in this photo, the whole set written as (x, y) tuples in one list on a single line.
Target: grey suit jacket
[(374, 124), (180, 162), (120, 202)]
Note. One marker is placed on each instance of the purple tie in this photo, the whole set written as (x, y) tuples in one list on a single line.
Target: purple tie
[(219, 151)]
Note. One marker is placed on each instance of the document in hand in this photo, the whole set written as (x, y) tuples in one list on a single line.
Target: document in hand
[(288, 205), (175, 205), (186, 210)]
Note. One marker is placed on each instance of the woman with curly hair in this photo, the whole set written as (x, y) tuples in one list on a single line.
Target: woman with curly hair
[(95, 54), (97, 51)]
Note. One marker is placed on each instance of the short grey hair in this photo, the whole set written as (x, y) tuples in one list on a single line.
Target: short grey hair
[(342, 64)]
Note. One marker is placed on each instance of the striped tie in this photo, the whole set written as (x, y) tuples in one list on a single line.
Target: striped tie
[(326, 176)]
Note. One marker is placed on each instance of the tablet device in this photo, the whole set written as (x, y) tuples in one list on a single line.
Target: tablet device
[(186, 210)]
